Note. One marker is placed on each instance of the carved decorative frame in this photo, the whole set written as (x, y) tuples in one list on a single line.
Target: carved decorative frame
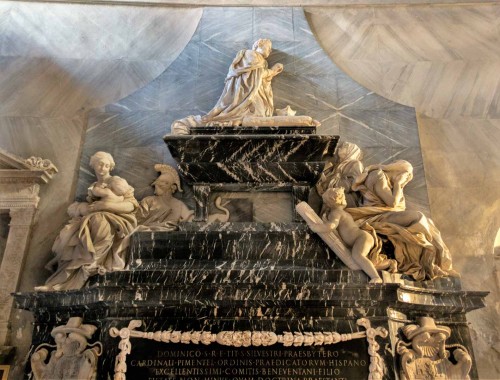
[(299, 192), (20, 181), (4, 372), (250, 338)]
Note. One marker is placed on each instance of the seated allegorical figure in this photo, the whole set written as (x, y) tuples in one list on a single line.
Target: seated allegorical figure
[(418, 247), (163, 211), (74, 357), (247, 91), (95, 240)]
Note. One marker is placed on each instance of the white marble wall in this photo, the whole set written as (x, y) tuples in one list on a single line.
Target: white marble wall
[(462, 162), (59, 59), (444, 61)]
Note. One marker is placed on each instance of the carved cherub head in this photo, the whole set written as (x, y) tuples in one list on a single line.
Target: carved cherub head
[(334, 197)]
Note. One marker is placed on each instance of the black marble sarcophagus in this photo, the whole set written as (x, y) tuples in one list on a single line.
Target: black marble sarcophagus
[(256, 296)]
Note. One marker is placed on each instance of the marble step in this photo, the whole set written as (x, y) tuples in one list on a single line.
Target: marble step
[(320, 297), (256, 311), (279, 275), (229, 295), (226, 245), (233, 294), (262, 264)]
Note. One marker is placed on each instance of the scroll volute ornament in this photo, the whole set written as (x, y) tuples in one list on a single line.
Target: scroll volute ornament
[(426, 355)]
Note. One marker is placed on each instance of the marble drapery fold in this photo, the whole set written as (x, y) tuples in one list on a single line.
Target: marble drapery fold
[(418, 247), (95, 240), (90, 244), (247, 91)]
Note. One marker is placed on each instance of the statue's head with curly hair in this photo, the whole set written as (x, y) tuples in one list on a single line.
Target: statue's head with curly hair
[(102, 156), (334, 197), (263, 46)]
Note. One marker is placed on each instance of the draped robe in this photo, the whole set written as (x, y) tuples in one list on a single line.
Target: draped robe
[(418, 247), (247, 92), (90, 244)]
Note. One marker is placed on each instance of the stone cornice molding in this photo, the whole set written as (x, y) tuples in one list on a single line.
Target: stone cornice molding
[(266, 3), (14, 169)]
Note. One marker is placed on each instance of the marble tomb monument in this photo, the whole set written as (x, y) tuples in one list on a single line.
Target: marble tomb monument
[(347, 284)]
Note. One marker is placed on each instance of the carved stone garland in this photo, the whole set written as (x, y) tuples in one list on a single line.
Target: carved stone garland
[(250, 338)]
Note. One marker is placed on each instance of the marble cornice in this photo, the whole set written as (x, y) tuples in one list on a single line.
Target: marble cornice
[(14, 169), (23, 176), (267, 3)]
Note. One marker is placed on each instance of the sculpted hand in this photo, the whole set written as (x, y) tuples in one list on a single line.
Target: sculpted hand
[(321, 227), (277, 68), (401, 179), (97, 206), (77, 209), (73, 210)]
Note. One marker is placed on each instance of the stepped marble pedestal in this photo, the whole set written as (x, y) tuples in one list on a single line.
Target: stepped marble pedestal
[(256, 297)]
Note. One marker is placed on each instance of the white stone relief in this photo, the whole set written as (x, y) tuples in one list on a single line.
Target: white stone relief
[(377, 367), (329, 237), (337, 219), (218, 217), (287, 111), (426, 356), (342, 172), (73, 358), (248, 339), (19, 188)]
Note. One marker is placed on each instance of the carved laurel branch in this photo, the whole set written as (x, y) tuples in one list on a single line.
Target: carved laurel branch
[(377, 366), (247, 339)]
